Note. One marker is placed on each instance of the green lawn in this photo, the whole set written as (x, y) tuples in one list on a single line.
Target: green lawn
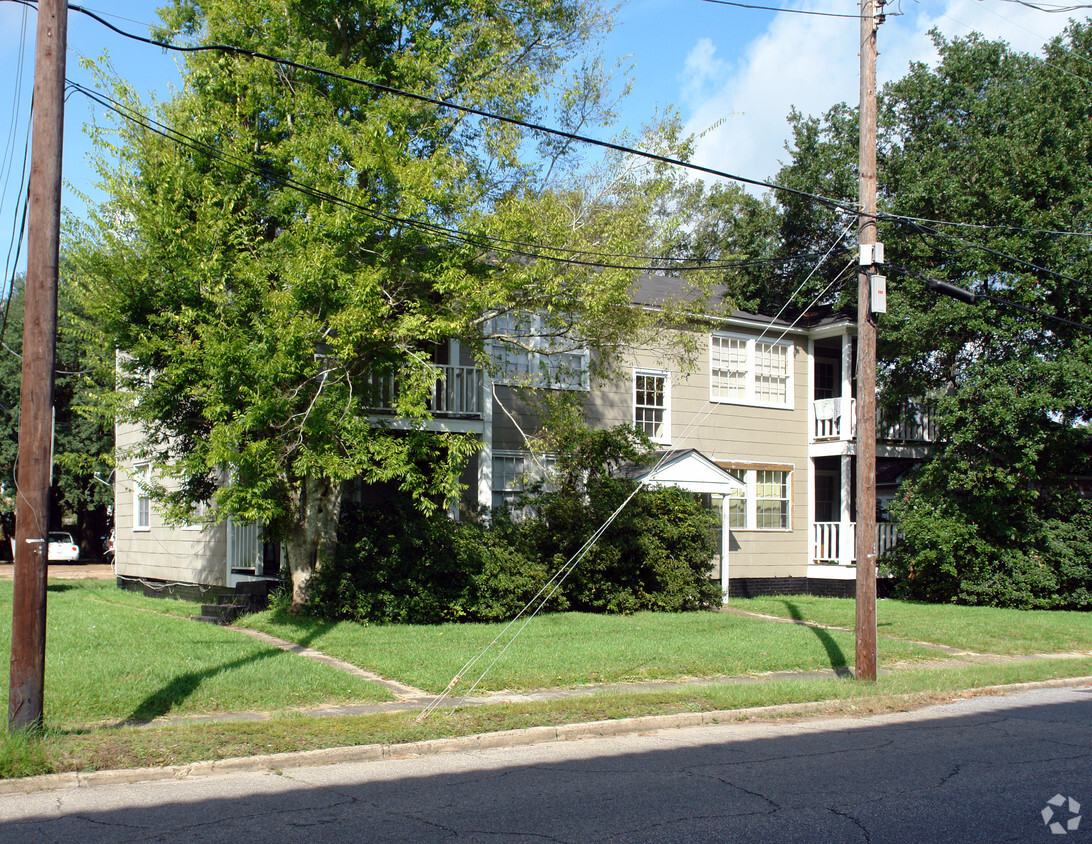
[(112, 656), (573, 649), (117, 656), (978, 629)]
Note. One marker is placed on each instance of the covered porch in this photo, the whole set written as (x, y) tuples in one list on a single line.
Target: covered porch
[(833, 512)]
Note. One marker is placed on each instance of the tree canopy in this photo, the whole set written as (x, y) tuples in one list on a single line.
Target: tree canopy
[(282, 234), (985, 182), (83, 450)]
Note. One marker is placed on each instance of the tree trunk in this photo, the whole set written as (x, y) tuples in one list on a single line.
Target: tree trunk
[(318, 507)]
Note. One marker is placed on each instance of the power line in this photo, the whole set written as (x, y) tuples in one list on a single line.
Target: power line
[(789, 11), (1049, 8), (926, 230), (971, 298), (832, 203), (502, 245), (984, 226), (477, 112)]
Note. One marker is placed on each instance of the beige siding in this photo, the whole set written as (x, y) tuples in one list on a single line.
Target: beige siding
[(164, 552), (771, 437)]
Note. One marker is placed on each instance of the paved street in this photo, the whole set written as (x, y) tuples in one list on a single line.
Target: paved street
[(981, 769)]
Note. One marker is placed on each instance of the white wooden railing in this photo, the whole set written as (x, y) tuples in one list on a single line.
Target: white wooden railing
[(244, 546), (457, 392), (827, 538), (836, 419), (914, 422)]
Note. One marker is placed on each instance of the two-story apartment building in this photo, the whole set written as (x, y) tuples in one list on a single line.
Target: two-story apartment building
[(761, 425)]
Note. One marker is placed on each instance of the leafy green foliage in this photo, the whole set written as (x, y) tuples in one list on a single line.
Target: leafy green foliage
[(656, 550), (310, 237), (83, 439), (996, 143), (394, 564), (997, 516)]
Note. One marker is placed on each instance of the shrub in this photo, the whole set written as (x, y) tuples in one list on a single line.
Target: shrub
[(394, 564)]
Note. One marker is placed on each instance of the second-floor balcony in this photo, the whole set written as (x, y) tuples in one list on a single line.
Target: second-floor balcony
[(913, 422), (457, 393)]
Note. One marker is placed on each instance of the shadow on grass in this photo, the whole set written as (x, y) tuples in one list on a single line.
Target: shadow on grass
[(61, 587), (834, 653), (168, 697)]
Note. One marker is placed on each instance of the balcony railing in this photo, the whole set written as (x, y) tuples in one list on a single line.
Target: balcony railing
[(827, 539), (913, 422), (457, 392)]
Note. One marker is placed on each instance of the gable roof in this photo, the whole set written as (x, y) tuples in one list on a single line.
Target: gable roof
[(687, 469)]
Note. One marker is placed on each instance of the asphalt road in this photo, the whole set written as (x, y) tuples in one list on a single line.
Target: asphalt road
[(981, 769)]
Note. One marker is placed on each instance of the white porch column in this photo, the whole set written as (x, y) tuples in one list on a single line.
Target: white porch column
[(845, 523), (811, 510), (725, 539), (845, 424), (485, 456)]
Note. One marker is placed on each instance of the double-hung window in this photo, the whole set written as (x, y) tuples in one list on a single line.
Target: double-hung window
[(744, 370), (771, 500), (142, 499), (515, 471), (526, 353), (652, 404), (764, 502)]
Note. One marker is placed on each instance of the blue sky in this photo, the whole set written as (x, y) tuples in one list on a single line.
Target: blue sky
[(738, 70)]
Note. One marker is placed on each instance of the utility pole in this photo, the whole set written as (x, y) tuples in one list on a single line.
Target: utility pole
[(25, 697), (865, 662)]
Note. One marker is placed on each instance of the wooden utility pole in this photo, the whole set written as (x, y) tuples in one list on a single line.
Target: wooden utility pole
[(25, 696), (865, 662)]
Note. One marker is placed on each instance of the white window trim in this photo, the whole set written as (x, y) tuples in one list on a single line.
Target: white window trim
[(665, 439), (538, 357), (141, 472), (197, 514), (534, 468), (750, 480), (750, 397)]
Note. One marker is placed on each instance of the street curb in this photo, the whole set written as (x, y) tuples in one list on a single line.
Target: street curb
[(482, 741)]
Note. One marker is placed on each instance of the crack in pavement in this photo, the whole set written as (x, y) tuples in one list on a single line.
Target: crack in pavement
[(854, 820)]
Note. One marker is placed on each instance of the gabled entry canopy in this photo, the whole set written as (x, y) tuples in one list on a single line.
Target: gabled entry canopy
[(687, 469)]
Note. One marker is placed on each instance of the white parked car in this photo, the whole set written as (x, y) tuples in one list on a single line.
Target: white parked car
[(62, 549)]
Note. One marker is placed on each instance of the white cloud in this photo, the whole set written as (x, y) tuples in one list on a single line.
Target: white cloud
[(701, 69), (812, 63)]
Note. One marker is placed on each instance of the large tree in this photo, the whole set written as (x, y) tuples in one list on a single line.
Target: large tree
[(83, 449), (985, 182), (296, 234)]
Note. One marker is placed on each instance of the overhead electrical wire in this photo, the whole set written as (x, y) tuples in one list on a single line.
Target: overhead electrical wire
[(968, 245), (1049, 8), (387, 89), (10, 266), (499, 245), (970, 297), (792, 11), (834, 204)]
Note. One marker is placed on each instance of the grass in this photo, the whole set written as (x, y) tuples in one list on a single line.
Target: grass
[(110, 659), (978, 629), (128, 747), (114, 657), (574, 649)]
